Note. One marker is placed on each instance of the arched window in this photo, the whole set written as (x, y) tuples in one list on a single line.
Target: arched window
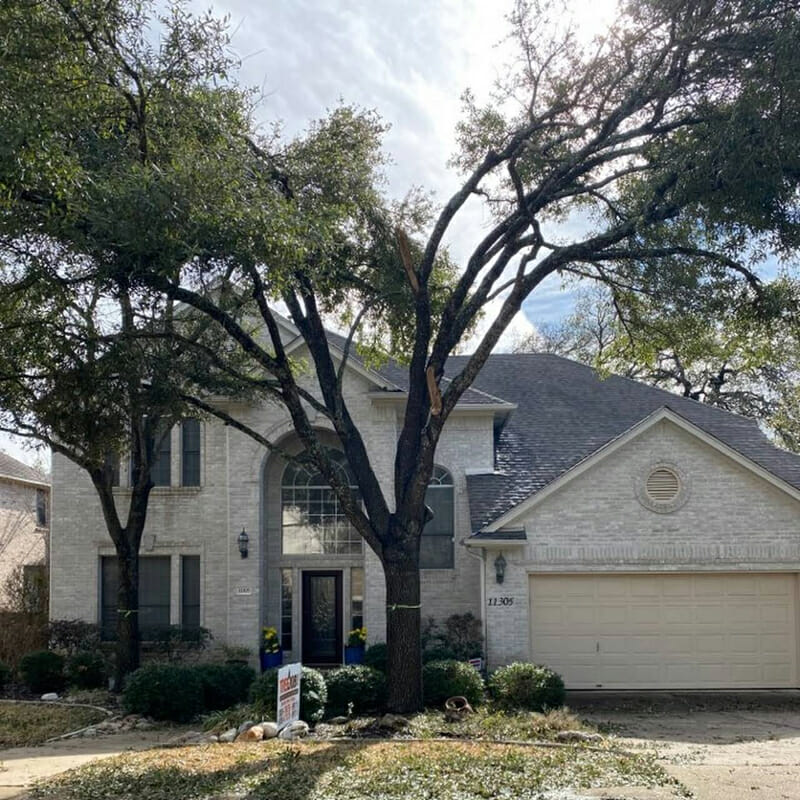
[(436, 546), (312, 519)]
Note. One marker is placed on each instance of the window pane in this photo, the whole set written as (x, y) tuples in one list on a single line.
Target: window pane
[(161, 472), (190, 455), (356, 598), (154, 583), (41, 508), (190, 592), (286, 609), (437, 543)]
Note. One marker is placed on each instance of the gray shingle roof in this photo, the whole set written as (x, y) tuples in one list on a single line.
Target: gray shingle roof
[(565, 412), (12, 468)]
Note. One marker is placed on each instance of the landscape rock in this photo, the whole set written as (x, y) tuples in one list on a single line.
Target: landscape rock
[(255, 733), (338, 721), (245, 725), (50, 696), (270, 730), (296, 730), (228, 736), (392, 722), (578, 736)]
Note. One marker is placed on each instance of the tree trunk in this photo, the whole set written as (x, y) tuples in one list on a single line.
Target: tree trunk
[(404, 653), (128, 613)]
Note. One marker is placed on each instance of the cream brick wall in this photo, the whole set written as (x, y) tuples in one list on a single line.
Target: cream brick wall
[(239, 595), (22, 542), (731, 520)]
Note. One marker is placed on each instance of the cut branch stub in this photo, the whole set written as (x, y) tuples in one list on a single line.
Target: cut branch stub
[(433, 392), (405, 256)]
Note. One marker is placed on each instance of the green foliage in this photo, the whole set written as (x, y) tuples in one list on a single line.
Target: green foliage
[(356, 689), (313, 695), (444, 679), (459, 638), (224, 685), (526, 686), (174, 642), (164, 692), (86, 670), (42, 671), (375, 656), (71, 636), (5, 675)]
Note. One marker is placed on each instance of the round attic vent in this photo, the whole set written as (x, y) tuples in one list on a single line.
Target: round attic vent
[(662, 485)]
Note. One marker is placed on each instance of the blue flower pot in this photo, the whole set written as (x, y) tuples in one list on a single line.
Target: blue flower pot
[(354, 655), (270, 660)]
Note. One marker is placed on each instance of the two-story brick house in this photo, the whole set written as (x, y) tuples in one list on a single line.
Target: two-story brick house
[(624, 536)]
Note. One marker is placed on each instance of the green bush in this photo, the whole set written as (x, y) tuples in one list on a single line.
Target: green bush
[(164, 691), (313, 695), (458, 638), (224, 685), (443, 679), (357, 687), (5, 675), (526, 686), (375, 657), (42, 671), (86, 670)]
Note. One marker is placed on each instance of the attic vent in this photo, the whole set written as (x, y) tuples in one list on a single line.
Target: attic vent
[(662, 485)]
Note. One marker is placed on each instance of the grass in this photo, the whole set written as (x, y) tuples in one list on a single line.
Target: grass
[(349, 770), (23, 724)]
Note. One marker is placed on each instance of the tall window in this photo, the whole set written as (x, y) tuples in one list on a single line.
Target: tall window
[(190, 592), (190, 452), (286, 609), (154, 585), (312, 520), (161, 470), (356, 598), (436, 545), (41, 508)]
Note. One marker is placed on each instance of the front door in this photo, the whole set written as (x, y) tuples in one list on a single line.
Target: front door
[(322, 617)]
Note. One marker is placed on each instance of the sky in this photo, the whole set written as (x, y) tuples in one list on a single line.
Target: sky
[(409, 60)]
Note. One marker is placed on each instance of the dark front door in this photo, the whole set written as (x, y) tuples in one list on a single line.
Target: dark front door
[(322, 617)]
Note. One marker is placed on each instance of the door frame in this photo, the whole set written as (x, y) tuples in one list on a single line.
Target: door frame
[(305, 607)]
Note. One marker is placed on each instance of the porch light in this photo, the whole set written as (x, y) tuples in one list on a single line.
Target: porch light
[(500, 568), (243, 540)]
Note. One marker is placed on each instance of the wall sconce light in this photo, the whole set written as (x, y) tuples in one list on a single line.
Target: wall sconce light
[(500, 568), (243, 540)]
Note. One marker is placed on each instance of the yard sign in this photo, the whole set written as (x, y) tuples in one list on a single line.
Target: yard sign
[(288, 694)]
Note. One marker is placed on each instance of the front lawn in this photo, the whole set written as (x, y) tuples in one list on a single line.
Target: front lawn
[(23, 724), (348, 770)]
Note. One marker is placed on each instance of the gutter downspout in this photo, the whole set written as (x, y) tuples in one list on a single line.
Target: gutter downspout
[(484, 624)]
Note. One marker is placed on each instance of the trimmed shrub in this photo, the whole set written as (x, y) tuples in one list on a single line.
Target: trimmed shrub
[(224, 685), (86, 670), (443, 679), (5, 675), (164, 691), (526, 686), (375, 657), (356, 687), (42, 671), (458, 638), (313, 695)]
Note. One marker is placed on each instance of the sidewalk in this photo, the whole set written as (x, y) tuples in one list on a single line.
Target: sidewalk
[(22, 766)]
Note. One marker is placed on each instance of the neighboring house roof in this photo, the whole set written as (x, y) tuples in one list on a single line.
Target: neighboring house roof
[(12, 469), (566, 411)]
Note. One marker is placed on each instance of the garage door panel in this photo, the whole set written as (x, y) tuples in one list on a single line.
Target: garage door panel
[(667, 631)]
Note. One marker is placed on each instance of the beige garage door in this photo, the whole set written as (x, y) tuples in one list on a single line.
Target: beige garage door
[(666, 631)]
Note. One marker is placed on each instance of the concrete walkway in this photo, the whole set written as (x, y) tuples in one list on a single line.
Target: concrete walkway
[(22, 766), (721, 747)]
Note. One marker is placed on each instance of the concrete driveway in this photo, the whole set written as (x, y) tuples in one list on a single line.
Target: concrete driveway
[(720, 746)]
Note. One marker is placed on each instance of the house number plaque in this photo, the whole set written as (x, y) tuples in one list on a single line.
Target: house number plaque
[(243, 591), (500, 601)]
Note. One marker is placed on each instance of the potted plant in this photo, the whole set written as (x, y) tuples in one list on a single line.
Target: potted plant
[(270, 652), (354, 650)]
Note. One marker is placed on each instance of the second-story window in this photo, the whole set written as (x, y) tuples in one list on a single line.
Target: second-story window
[(190, 452), (161, 469), (41, 508)]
